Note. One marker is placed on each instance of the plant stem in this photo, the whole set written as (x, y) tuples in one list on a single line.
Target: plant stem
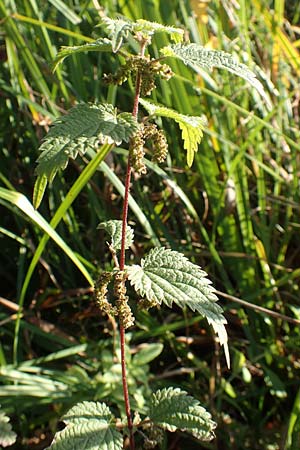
[(122, 259)]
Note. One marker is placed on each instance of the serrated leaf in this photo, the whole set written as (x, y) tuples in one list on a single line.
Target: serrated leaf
[(114, 229), (198, 56), (191, 126), (39, 190), (7, 436), (166, 276), (118, 30), (100, 45), (145, 26), (89, 426), (85, 126), (173, 409)]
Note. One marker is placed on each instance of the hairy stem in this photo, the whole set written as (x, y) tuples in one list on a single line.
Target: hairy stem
[(122, 261)]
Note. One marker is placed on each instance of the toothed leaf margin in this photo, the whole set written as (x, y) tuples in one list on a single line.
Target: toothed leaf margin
[(114, 229), (191, 126), (85, 126), (167, 276), (89, 426), (172, 409), (100, 45), (200, 57)]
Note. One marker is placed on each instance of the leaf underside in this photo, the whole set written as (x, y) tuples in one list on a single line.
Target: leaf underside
[(200, 57), (191, 126), (176, 34), (172, 409), (89, 426), (119, 30), (85, 126), (100, 45), (114, 229), (166, 276)]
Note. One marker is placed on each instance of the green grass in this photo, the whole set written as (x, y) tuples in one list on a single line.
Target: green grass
[(56, 349)]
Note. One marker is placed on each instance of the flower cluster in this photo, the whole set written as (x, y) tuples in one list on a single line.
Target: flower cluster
[(125, 315), (137, 151), (148, 69), (100, 293), (159, 142), (147, 132)]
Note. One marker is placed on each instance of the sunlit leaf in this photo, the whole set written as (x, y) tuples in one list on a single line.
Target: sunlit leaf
[(85, 127), (173, 409), (100, 45), (198, 56), (89, 426), (166, 276), (191, 126), (7, 436)]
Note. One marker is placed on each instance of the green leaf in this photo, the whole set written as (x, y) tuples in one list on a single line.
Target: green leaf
[(39, 190), (84, 127), (66, 11), (147, 354), (20, 201), (89, 426), (7, 436), (276, 385), (173, 409), (145, 26), (200, 57), (118, 30), (100, 45), (191, 126), (293, 432), (114, 229), (168, 276)]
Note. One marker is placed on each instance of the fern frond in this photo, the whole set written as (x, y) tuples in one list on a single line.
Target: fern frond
[(191, 126), (85, 126), (195, 55), (100, 45), (166, 276), (172, 409), (89, 425), (114, 229)]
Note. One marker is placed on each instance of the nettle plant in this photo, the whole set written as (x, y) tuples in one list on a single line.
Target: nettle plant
[(164, 276)]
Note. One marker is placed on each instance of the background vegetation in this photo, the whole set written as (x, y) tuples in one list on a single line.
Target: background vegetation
[(235, 212)]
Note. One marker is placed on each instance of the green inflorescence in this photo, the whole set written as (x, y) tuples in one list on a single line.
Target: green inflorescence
[(147, 132), (125, 315), (148, 69)]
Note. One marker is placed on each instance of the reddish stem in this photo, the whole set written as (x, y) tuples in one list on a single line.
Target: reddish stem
[(122, 261)]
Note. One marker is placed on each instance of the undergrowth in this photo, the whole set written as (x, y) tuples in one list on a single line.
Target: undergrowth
[(235, 211)]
